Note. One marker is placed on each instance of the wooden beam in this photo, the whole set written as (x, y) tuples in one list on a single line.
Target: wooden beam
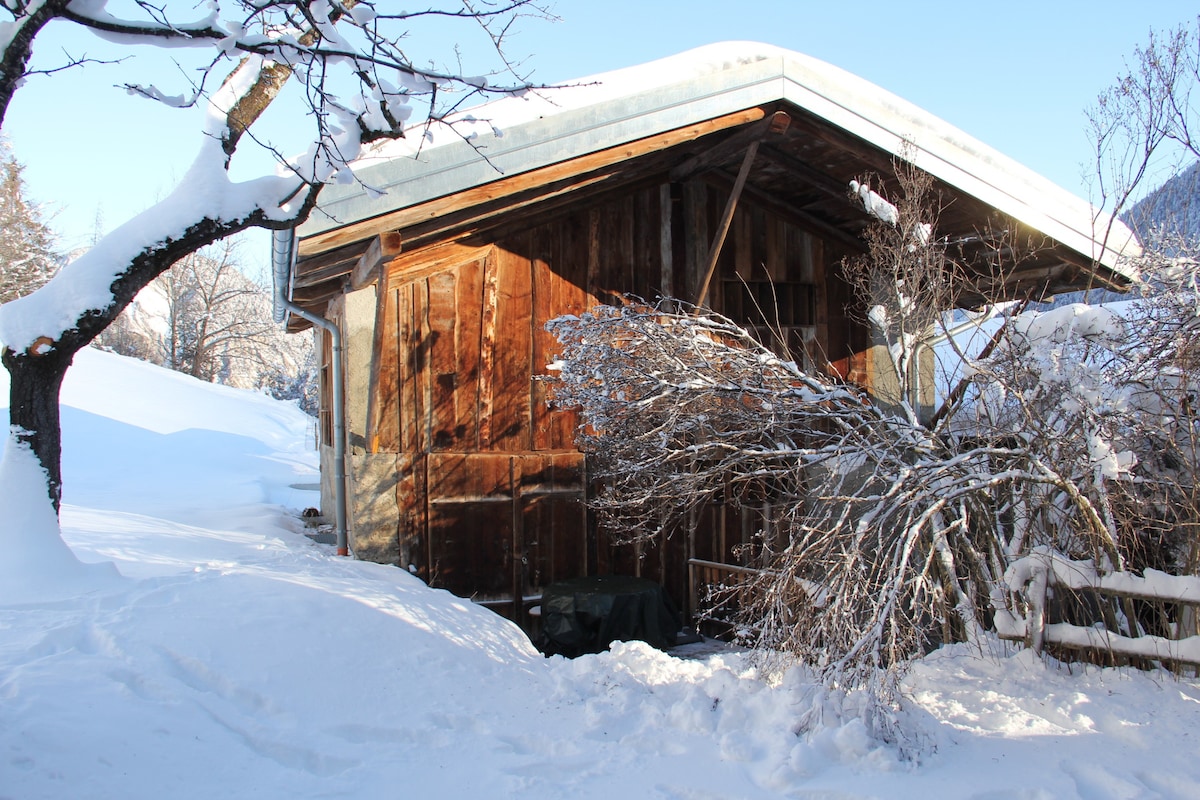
[(316, 277), (873, 157), (778, 123), (297, 324), (792, 213), (320, 293), (487, 349), (714, 252), (826, 184), (383, 417), (666, 245), (342, 258), (382, 249), (506, 187), (517, 212), (422, 263)]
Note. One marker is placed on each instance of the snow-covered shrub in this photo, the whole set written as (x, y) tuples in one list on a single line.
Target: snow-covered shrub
[(1103, 399), (879, 548), (891, 531)]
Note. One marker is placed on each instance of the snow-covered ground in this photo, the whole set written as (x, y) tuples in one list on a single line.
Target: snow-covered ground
[(232, 657)]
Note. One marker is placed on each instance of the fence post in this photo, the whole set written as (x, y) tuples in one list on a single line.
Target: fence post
[(1037, 608)]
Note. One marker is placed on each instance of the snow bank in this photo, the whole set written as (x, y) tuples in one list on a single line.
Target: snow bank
[(238, 659), (36, 565)]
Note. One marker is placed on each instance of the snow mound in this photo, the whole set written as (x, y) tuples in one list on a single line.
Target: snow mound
[(29, 537), (236, 658)]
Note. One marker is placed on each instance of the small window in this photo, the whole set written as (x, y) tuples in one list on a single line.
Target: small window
[(781, 314)]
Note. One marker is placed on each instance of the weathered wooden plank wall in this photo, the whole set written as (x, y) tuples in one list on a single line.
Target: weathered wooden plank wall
[(491, 486)]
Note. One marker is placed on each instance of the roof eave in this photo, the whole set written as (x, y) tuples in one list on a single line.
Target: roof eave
[(857, 106)]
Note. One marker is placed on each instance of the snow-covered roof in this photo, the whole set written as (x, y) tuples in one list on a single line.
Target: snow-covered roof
[(518, 134)]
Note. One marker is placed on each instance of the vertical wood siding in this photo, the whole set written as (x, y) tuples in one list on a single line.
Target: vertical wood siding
[(491, 486)]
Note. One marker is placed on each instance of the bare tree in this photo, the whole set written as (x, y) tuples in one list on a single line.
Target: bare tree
[(292, 373), (218, 320), (1145, 127), (205, 318), (346, 60), (1146, 130)]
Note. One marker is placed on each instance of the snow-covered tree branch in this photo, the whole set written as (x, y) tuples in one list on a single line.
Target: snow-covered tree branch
[(885, 532), (352, 84)]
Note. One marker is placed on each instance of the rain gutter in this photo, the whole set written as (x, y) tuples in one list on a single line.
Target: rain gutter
[(283, 260)]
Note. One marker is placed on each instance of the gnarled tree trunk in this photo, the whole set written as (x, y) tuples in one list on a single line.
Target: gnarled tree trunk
[(35, 381)]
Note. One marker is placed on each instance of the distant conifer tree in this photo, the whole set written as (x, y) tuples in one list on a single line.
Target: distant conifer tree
[(27, 246)]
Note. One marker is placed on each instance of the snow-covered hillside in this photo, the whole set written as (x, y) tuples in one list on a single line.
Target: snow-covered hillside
[(1172, 209), (232, 657)]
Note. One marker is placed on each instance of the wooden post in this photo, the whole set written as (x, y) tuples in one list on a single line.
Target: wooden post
[(693, 589), (487, 350), (515, 470), (776, 126), (714, 252), (666, 245), (1037, 609)]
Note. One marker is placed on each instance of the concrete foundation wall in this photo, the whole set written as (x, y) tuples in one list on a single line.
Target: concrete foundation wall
[(375, 530), (885, 386), (358, 342)]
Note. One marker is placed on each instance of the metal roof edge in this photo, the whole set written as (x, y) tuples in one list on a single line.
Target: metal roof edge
[(948, 153), (759, 75), (458, 165)]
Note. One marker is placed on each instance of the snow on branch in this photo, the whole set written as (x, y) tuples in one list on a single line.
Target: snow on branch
[(658, 387), (85, 286), (874, 203), (355, 86)]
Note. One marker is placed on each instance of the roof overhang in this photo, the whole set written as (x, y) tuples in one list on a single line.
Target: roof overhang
[(519, 135)]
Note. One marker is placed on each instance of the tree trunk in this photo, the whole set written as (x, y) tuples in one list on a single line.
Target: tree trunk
[(35, 382), (36, 377)]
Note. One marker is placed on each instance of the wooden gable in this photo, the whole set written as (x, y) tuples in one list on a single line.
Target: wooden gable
[(489, 489)]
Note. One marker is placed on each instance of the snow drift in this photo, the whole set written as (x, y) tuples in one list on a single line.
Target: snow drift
[(236, 658)]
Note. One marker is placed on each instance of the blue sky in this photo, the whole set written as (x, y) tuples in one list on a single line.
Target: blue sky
[(1017, 75)]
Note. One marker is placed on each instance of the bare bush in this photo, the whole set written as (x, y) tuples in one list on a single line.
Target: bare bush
[(877, 553), (1074, 432)]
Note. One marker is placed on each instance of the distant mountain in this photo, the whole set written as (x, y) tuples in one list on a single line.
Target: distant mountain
[(1170, 212), (1172, 209)]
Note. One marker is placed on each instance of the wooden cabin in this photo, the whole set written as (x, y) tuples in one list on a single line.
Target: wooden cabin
[(633, 182)]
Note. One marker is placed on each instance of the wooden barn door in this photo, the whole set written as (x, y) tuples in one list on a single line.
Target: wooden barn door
[(494, 508), (503, 526)]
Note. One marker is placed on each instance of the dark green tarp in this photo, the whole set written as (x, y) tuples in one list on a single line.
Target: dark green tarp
[(585, 615)]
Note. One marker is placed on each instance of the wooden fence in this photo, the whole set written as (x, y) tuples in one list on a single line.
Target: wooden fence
[(713, 589), (1112, 618)]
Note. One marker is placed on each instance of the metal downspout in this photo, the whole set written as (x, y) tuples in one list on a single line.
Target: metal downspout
[(283, 258)]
